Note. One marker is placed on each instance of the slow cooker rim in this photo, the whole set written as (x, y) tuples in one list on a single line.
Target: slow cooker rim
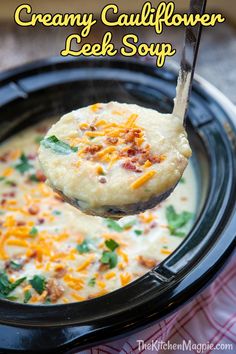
[(50, 62)]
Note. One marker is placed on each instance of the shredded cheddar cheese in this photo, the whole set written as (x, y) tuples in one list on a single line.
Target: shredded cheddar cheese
[(143, 179)]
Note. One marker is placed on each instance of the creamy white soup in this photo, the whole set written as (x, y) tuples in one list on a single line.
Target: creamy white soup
[(114, 158), (51, 253)]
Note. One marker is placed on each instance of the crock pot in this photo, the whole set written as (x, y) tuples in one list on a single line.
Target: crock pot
[(51, 87)]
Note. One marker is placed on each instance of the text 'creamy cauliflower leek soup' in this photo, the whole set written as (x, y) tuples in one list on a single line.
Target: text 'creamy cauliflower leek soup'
[(114, 158), (50, 252)]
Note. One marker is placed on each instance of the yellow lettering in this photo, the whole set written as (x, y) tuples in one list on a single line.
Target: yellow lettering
[(129, 45), (17, 14), (87, 49), (69, 39), (104, 12)]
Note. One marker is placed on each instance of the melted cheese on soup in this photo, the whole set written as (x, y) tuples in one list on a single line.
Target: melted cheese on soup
[(52, 253), (114, 155)]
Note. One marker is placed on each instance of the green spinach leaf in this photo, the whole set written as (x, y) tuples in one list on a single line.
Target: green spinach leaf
[(53, 143)]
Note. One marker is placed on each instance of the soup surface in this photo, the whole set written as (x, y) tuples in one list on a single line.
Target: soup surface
[(123, 155), (52, 253)]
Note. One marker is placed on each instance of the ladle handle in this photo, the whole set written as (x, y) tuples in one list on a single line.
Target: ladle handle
[(188, 61)]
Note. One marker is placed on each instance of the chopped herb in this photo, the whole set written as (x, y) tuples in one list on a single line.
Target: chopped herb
[(111, 244), (177, 221), (6, 287), (109, 258), (92, 282), (15, 265), (33, 178), (83, 247), (38, 282), (11, 298), (56, 212), (27, 296), (138, 232), (7, 182), (38, 139), (2, 212), (24, 165), (47, 301), (112, 224), (10, 183), (165, 247), (33, 232), (182, 180), (52, 142)]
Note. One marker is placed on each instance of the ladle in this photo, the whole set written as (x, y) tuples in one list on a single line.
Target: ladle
[(187, 67)]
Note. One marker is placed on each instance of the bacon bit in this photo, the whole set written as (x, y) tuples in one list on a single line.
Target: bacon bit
[(153, 225), (9, 195), (112, 140), (3, 202), (31, 156), (58, 197), (40, 176), (147, 262), (60, 271), (20, 223), (103, 267), (42, 129), (41, 221), (92, 128), (102, 179), (128, 165), (9, 268), (33, 209), (5, 157), (157, 159), (54, 289), (129, 137), (131, 152), (93, 149)]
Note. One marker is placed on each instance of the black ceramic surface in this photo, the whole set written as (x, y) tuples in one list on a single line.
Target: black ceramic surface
[(55, 86)]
